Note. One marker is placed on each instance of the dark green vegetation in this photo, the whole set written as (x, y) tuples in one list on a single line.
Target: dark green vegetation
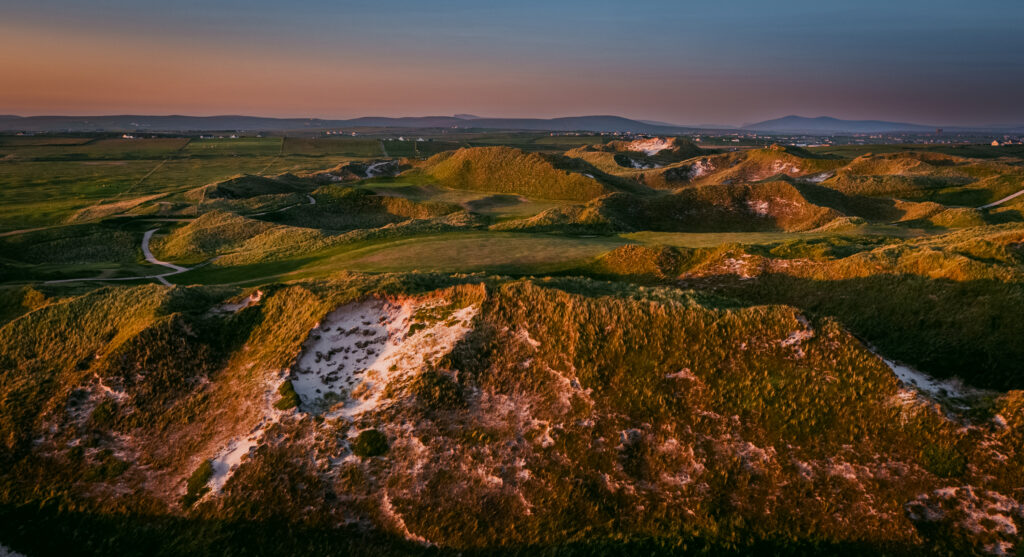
[(370, 443), (195, 487), (609, 347)]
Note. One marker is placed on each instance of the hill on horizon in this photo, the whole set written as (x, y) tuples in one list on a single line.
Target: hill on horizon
[(827, 124), (147, 123)]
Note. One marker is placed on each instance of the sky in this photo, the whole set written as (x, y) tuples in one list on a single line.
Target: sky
[(728, 62)]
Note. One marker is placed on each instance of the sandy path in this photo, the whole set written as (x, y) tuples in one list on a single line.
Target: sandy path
[(371, 171), (1003, 200), (175, 269), (149, 255), (312, 201)]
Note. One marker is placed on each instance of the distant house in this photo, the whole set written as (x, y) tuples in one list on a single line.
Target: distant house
[(127, 136), (995, 143)]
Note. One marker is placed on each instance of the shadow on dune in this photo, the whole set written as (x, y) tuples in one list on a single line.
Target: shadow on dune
[(41, 530), (969, 329)]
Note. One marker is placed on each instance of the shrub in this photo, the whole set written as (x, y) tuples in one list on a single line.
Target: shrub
[(437, 391), (289, 398), (944, 461), (104, 415), (369, 443), (196, 486), (108, 467)]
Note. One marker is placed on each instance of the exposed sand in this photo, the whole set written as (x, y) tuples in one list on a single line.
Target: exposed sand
[(360, 348), (250, 300), (650, 146)]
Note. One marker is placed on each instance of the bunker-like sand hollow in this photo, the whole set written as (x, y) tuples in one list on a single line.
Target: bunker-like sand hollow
[(359, 348)]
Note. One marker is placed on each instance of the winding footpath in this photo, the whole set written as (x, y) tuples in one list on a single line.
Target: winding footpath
[(1003, 200), (149, 257), (175, 269), (312, 201)]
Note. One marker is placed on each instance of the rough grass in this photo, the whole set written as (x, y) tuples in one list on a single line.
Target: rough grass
[(507, 170), (581, 409), (764, 206)]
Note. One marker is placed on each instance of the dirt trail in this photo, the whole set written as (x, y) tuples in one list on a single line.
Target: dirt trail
[(149, 257), (176, 269), (310, 198), (1003, 200)]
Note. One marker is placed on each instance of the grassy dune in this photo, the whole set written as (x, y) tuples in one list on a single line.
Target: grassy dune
[(611, 414), (526, 350), (506, 170)]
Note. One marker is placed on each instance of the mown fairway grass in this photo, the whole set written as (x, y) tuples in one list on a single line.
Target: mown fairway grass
[(495, 252), (500, 252), (713, 239)]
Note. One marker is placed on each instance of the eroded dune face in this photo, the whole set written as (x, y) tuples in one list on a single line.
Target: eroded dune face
[(359, 348), (651, 146)]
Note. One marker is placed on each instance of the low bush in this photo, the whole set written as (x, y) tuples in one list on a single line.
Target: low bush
[(289, 398), (437, 391), (196, 486), (370, 443)]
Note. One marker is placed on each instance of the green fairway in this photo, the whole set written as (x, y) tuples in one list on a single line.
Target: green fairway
[(499, 252), (494, 252), (712, 239)]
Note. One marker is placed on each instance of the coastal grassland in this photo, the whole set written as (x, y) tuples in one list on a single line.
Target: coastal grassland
[(313, 255), (108, 249), (500, 206), (100, 149), (34, 194), (456, 252), (513, 171), (942, 303), (242, 146), (977, 150), (331, 146), (14, 141), (618, 419), (492, 252), (715, 239), (345, 208)]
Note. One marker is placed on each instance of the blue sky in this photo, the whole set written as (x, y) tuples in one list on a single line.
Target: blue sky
[(934, 61)]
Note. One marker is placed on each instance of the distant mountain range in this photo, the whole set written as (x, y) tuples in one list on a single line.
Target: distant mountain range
[(825, 125), (135, 123)]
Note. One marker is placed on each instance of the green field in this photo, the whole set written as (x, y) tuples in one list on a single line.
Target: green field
[(45, 182), (712, 239), (332, 146), (242, 146), (469, 252)]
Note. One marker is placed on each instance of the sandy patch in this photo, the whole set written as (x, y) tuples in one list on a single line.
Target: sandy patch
[(360, 348), (235, 307), (650, 146)]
